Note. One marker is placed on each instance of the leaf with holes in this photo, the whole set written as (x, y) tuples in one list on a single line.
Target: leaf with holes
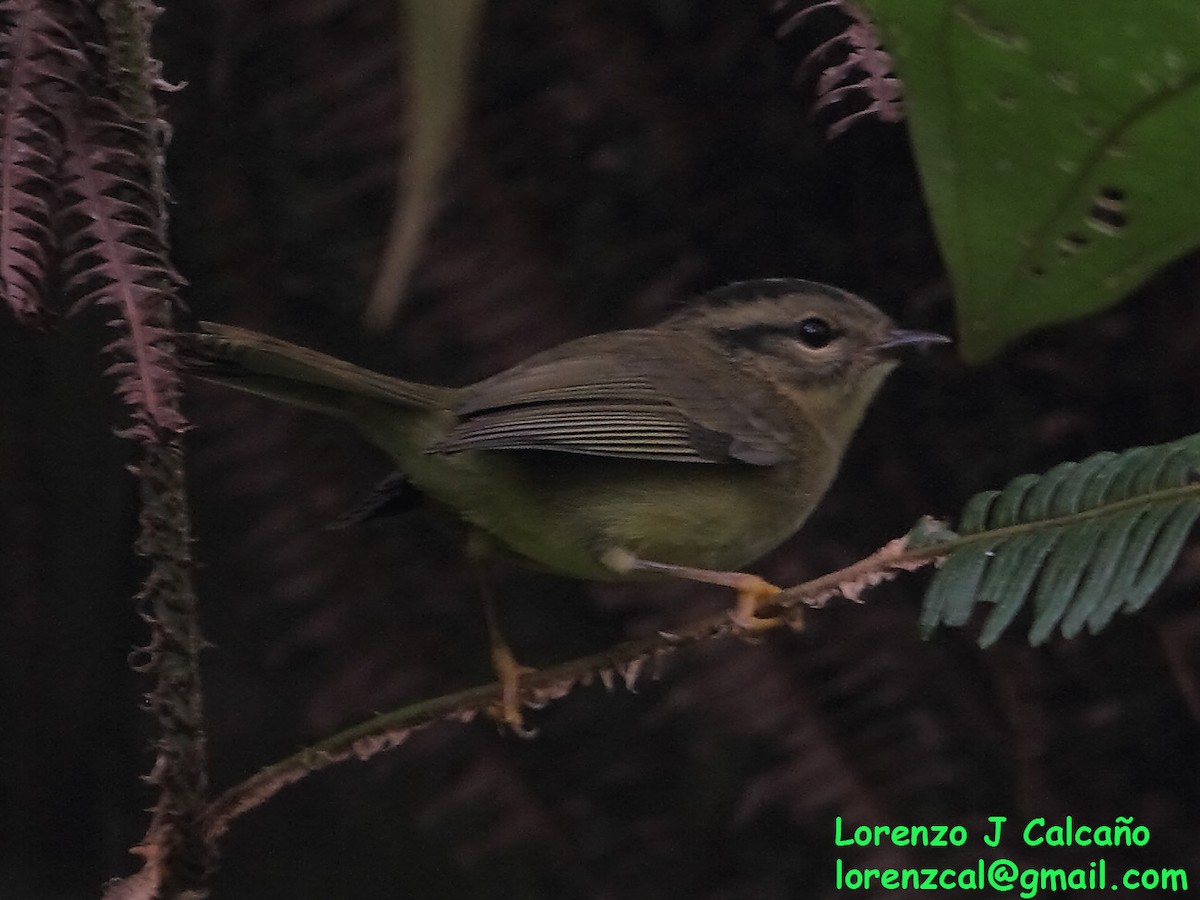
[(1081, 541), (1056, 143)]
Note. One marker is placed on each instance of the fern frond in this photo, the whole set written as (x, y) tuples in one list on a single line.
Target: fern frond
[(114, 255), (1081, 542), (865, 71), (40, 63)]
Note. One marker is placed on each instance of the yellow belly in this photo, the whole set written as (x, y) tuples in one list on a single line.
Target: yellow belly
[(564, 511)]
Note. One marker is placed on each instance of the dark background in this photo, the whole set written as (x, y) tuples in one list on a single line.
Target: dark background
[(617, 157)]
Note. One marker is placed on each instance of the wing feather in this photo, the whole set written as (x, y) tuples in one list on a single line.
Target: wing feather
[(631, 400)]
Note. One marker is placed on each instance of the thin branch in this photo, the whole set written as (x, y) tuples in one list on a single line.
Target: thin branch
[(176, 852), (625, 662)]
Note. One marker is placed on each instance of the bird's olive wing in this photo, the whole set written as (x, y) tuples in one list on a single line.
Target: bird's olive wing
[(644, 396)]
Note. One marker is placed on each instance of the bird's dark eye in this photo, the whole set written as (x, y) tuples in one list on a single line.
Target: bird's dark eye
[(815, 333)]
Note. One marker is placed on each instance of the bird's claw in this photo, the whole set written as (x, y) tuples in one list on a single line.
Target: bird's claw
[(510, 718), (506, 710), (753, 594)]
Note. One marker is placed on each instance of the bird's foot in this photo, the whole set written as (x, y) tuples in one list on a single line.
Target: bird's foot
[(507, 709), (753, 595)]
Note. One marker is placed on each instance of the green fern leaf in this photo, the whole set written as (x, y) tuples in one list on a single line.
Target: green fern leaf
[(1079, 543)]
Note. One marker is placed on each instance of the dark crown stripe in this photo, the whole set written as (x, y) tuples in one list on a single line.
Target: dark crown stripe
[(743, 291)]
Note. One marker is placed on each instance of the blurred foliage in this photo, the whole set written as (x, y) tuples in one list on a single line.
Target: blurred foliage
[(1056, 144), (438, 49)]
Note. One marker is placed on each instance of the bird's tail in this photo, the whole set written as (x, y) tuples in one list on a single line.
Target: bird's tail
[(269, 367)]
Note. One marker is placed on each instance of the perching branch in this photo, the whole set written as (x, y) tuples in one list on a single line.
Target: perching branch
[(625, 662)]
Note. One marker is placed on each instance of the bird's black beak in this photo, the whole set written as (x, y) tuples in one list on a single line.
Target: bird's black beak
[(904, 337)]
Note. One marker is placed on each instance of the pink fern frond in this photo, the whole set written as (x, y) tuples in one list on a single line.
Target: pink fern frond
[(796, 19), (866, 70), (113, 256), (40, 65)]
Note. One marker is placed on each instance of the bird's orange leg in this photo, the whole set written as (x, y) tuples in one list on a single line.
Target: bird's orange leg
[(752, 592), (508, 670)]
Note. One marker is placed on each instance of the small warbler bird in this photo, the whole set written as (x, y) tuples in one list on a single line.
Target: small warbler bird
[(686, 449)]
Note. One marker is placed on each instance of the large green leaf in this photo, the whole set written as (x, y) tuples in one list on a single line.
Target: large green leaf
[(1059, 146)]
